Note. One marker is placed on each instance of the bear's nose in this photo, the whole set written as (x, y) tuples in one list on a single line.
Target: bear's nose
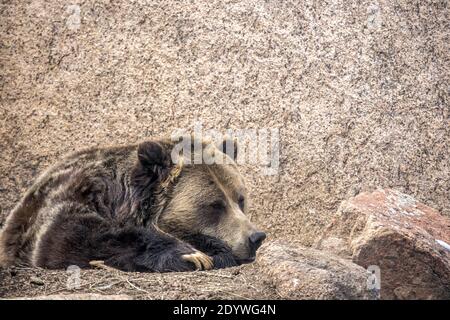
[(256, 239)]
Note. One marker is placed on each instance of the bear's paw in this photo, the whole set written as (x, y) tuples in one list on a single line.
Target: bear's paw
[(200, 260)]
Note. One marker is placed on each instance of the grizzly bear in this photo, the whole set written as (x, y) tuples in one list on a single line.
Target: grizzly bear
[(135, 209)]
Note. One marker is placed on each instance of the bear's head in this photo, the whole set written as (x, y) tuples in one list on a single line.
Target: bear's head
[(201, 198)]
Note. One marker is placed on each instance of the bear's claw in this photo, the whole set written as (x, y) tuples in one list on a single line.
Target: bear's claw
[(201, 260)]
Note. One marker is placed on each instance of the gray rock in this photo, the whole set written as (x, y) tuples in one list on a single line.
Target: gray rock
[(303, 273), (37, 281)]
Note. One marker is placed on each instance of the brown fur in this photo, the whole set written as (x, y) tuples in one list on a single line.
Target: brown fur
[(132, 207)]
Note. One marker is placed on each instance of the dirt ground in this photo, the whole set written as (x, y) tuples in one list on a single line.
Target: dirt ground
[(240, 283), (358, 91)]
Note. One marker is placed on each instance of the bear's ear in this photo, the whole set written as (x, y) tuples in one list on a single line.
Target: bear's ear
[(230, 147), (154, 163), (151, 153)]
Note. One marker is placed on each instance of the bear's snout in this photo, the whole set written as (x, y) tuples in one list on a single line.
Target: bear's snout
[(255, 240)]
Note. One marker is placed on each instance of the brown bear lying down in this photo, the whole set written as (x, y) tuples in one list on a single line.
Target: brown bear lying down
[(134, 209)]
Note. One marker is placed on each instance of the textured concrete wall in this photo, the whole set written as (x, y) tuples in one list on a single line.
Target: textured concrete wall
[(359, 90)]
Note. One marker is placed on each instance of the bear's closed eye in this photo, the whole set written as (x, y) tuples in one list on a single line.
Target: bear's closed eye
[(218, 205), (241, 202)]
